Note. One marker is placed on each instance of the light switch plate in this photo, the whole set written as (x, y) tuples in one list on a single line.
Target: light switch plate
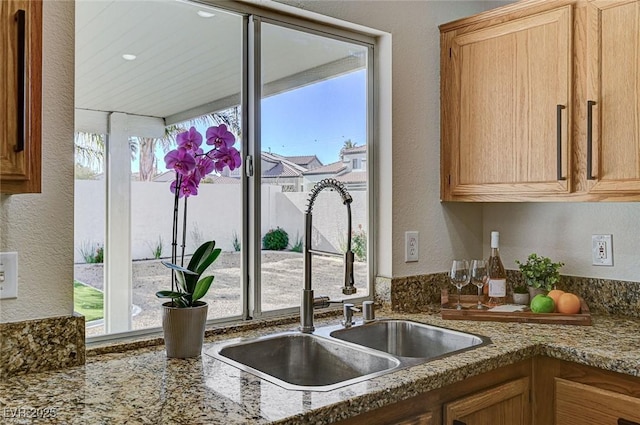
[(601, 250), (8, 275)]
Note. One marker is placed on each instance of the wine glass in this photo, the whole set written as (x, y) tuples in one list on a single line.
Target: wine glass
[(459, 277), (479, 278)]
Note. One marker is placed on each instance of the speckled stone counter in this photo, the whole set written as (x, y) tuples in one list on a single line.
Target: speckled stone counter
[(144, 387)]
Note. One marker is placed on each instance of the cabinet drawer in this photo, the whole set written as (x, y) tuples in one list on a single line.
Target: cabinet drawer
[(580, 404)]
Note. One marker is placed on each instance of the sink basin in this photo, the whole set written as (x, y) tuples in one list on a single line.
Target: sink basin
[(405, 338), (300, 361)]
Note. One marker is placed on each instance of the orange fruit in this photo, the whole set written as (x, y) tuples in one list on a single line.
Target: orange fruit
[(568, 304), (555, 294)]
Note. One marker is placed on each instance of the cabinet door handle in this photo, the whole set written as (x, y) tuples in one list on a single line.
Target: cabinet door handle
[(626, 422), (590, 104), (457, 422), (22, 68), (559, 109)]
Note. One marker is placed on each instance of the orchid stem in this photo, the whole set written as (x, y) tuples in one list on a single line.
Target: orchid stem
[(184, 231), (174, 236)]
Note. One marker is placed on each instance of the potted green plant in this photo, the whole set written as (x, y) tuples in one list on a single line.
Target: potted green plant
[(520, 293), (540, 274), (185, 316)]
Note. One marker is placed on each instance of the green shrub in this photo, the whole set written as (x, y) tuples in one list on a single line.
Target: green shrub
[(92, 253), (275, 239), (359, 244), (156, 248), (297, 246), (236, 242)]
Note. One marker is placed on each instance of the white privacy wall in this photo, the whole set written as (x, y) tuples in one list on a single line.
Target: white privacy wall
[(40, 226)]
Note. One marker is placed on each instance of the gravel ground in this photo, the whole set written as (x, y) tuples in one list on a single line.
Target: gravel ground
[(282, 276)]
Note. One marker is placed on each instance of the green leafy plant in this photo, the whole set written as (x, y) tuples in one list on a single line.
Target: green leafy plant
[(191, 164), (156, 248), (297, 245), (359, 243), (520, 287), (92, 253), (236, 242), (540, 272), (275, 239), (190, 287)]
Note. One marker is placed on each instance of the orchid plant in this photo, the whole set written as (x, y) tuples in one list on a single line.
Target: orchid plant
[(192, 164)]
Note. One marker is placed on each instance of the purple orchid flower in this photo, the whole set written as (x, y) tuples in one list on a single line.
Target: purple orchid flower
[(190, 140), (180, 160), (220, 136), (188, 187), (204, 165), (226, 157)]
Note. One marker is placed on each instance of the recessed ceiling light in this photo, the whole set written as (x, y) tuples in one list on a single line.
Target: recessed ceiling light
[(129, 57), (204, 14)]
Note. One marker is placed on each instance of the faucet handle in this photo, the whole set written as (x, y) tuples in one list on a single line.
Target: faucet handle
[(348, 310)]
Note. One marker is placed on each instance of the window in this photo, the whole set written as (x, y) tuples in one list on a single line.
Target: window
[(136, 95)]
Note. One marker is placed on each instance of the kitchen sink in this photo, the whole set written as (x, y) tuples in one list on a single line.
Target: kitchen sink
[(334, 356), (405, 338), (299, 361)]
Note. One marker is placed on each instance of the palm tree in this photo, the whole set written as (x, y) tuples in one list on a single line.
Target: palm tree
[(348, 144), (90, 147)]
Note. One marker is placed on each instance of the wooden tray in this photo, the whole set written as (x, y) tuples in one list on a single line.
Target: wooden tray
[(449, 312)]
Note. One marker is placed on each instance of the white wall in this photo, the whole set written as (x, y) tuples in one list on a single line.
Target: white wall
[(563, 233), (446, 231), (40, 226)]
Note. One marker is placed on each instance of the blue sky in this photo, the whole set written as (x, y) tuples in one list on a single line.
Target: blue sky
[(312, 120), (316, 119)]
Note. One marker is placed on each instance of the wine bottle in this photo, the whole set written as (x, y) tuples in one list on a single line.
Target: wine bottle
[(497, 275)]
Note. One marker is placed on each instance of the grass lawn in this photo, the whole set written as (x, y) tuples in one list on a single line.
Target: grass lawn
[(87, 301)]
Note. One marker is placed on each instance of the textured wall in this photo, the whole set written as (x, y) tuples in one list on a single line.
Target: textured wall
[(40, 226), (449, 230), (563, 233)]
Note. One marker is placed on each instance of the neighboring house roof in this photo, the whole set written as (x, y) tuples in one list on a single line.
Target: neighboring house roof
[(333, 168), (353, 177), (306, 161), (356, 149), (280, 166), (222, 179)]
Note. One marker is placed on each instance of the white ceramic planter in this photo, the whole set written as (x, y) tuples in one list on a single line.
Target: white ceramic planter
[(184, 329)]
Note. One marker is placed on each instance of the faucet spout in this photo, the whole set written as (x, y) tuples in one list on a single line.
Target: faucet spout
[(306, 305)]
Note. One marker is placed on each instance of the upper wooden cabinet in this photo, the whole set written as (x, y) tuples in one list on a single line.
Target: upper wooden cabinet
[(508, 82), (20, 93), (613, 93), (539, 102)]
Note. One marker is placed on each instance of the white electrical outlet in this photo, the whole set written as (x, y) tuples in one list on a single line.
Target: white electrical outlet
[(8, 275), (411, 246), (601, 250)]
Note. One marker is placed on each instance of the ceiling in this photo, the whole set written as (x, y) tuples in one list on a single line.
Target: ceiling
[(187, 65)]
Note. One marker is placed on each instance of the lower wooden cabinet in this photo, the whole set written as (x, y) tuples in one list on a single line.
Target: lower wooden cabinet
[(506, 404), (422, 419), (580, 404), (567, 393), (497, 396), (538, 391)]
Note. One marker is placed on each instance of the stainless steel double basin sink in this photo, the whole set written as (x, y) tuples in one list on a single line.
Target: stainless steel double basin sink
[(334, 356)]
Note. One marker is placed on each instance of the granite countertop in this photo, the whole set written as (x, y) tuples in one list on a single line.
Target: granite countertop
[(142, 386)]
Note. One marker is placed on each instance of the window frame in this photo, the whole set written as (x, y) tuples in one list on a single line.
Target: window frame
[(252, 18)]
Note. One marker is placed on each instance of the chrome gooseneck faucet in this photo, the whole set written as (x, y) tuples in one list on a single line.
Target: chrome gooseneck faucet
[(307, 305)]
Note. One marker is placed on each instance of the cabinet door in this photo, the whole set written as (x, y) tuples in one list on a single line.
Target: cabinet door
[(613, 76), (20, 94), (580, 404), (505, 108), (506, 404), (423, 419)]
